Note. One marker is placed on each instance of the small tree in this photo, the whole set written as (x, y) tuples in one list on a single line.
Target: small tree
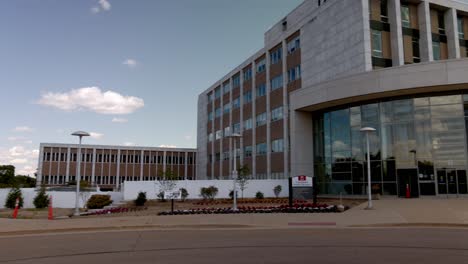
[(166, 183), (98, 201), (259, 195), (141, 199), (161, 197), (184, 194), (42, 199), (231, 194), (277, 190), (243, 178), (11, 198), (208, 193)]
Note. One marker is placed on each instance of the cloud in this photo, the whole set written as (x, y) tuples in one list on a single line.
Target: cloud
[(24, 159), (119, 120), (167, 146), (129, 144), (103, 5), (20, 139), (92, 99), (131, 63), (22, 129), (96, 135)]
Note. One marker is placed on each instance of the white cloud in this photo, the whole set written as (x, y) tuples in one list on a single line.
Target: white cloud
[(167, 146), (119, 120), (131, 63), (20, 139), (22, 129), (129, 144), (24, 159), (96, 135), (92, 99), (18, 161), (103, 5)]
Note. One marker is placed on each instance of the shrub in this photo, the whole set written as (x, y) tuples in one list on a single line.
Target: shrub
[(161, 196), (11, 198), (277, 190), (231, 194), (183, 193), (141, 199), (209, 193), (259, 195), (98, 201), (41, 200)]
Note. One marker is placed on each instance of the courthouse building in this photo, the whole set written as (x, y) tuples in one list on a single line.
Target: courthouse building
[(328, 69)]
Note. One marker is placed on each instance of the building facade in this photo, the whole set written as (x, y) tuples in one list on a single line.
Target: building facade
[(332, 67), (109, 166)]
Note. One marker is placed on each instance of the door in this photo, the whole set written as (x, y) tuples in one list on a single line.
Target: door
[(408, 177), (451, 181)]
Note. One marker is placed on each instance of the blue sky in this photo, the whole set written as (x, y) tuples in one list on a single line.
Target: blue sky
[(128, 71)]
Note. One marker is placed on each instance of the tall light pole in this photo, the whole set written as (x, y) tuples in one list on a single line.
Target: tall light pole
[(368, 130), (234, 136), (79, 134)]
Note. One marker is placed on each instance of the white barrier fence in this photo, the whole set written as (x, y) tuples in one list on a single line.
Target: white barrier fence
[(59, 199), (152, 188)]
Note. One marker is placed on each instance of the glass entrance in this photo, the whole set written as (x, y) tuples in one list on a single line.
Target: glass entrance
[(451, 181)]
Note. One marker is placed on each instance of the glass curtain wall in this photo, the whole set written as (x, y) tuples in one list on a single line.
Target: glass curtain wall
[(419, 141)]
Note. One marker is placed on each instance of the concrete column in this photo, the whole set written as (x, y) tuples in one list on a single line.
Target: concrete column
[(214, 138), (451, 29), (241, 120), (425, 39), (142, 160), (367, 50), (268, 113), (164, 162), (230, 121), (285, 112), (40, 164), (254, 126), (302, 162), (67, 173), (186, 165), (93, 168), (221, 156), (396, 33), (117, 177)]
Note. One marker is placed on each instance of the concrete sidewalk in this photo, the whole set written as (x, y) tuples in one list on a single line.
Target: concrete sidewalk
[(386, 212)]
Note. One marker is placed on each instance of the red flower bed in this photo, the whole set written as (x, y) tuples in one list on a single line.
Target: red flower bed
[(116, 210)]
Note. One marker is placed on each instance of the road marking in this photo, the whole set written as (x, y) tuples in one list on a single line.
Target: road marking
[(312, 224)]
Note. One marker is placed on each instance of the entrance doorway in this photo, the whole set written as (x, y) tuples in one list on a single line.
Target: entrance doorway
[(451, 181), (410, 177)]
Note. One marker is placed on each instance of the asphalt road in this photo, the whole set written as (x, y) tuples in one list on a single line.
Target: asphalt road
[(390, 245)]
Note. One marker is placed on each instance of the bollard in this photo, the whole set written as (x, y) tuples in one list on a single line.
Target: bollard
[(51, 210), (15, 213)]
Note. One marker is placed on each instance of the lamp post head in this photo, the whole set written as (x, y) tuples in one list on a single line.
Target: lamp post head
[(367, 129), (80, 134)]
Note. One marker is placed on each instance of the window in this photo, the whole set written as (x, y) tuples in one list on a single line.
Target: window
[(277, 82), (218, 112), (376, 43), (436, 50), (210, 137), (226, 155), (294, 73), (236, 81), (217, 92), (236, 128), (248, 124), (461, 31), (226, 108), (261, 119), (441, 20), (261, 90), (227, 131), (217, 156), (226, 88), (277, 114), (210, 116), (261, 149), (405, 16), (236, 103), (277, 145), (248, 74), (210, 97), (248, 151), (275, 56), (383, 11), (415, 43), (261, 66), (294, 45), (248, 97), (219, 134)]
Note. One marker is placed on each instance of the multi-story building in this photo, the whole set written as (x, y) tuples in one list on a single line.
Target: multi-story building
[(110, 166), (330, 68)]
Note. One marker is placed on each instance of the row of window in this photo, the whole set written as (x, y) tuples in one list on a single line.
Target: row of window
[(261, 119), (61, 179), (112, 158), (261, 150), (275, 57)]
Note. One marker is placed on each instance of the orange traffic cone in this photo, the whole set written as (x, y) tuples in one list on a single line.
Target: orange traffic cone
[(51, 210), (15, 213), (408, 194)]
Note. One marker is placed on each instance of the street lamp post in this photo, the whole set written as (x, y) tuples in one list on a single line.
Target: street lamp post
[(368, 130), (80, 135), (234, 172)]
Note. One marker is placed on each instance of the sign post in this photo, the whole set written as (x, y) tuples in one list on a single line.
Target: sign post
[(302, 187), (171, 195)]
